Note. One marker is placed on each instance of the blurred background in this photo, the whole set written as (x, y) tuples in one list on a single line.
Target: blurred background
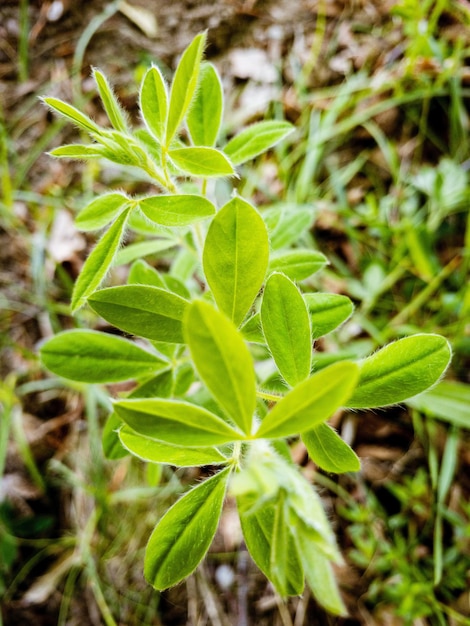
[(379, 92)]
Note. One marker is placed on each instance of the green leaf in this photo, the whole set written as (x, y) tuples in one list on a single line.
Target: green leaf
[(141, 273), (286, 327), (202, 162), (401, 370), (93, 357), (184, 85), (154, 451), (252, 330), (182, 537), (205, 115), (223, 362), (176, 210), (143, 248), (256, 139), (78, 151), (258, 530), (175, 422), (320, 576), (297, 264), (311, 402), (99, 261), (235, 257), (327, 312), (117, 115), (326, 448), (448, 401), (142, 310), (101, 211), (286, 223), (112, 447), (72, 114), (153, 102)]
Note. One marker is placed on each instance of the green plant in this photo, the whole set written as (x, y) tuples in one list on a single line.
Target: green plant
[(227, 374)]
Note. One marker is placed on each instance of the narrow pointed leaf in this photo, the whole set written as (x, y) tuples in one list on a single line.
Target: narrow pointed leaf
[(326, 448), (181, 539), (235, 257), (143, 248), (72, 114), (153, 102), (93, 357), (223, 362), (202, 162), (448, 401), (78, 151), (154, 451), (99, 261), (117, 115), (101, 211), (205, 115), (256, 139), (311, 402), (297, 264), (184, 85), (327, 312), (279, 558), (286, 327), (175, 422), (401, 370), (176, 210), (142, 310)]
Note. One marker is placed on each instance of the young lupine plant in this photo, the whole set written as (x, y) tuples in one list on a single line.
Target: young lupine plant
[(225, 370)]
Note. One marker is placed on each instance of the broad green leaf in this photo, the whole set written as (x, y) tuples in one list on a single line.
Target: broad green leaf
[(401, 370), (320, 576), (117, 115), (74, 115), (99, 261), (141, 273), (223, 362), (235, 257), (286, 223), (154, 451), (160, 386), (205, 115), (286, 327), (311, 402), (175, 422), (297, 264), (100, 211), (326, 448), (143, 248), (182, 537), (79, 151), (153, 102), (112, 446), (176, 210), (93, 357), (258, 529), (202, 162), (448, 401), (142, 310), (184, 85), (256, 139), (327, 312)]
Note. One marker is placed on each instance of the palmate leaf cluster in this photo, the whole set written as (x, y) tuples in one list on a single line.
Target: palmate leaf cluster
[(235, 302)]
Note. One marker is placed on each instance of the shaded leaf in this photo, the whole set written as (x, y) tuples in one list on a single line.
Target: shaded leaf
[(449, 401), (176, 210), (286, 223), (153, 102), (203, 162), (327, 312), (142, 310), (297, 264)]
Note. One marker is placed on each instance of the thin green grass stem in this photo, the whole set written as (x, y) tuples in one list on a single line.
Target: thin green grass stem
[(23, 41)]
